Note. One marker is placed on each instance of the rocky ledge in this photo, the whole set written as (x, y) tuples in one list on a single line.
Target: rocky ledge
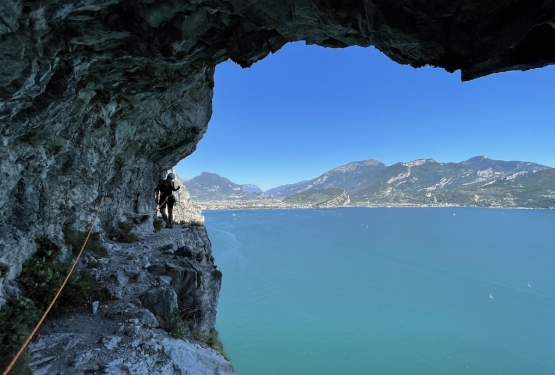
[(156, 306)]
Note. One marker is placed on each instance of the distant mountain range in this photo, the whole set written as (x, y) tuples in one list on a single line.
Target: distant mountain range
[(211, 186), (274, 191), (426, 181), (251, 188), (320, 198), (344, 177), (477, 181)]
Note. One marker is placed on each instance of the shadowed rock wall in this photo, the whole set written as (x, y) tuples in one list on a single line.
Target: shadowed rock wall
[(103, 95)]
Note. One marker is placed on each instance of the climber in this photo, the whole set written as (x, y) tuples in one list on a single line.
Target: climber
[(165, 190)]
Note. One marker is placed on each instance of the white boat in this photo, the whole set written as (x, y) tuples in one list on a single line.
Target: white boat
[(490, 296), (529, 286)]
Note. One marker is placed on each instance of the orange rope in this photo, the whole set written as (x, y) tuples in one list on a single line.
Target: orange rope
[(55, 297), (161, 204), (12, 363)]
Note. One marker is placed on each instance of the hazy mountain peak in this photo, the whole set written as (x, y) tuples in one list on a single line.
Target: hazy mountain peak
[(212, 186), (344, 176), (252, 188), (417, 162), (355, 164), (370, 162), (477, 158)]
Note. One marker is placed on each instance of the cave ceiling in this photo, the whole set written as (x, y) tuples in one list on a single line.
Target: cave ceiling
[(100, 96)]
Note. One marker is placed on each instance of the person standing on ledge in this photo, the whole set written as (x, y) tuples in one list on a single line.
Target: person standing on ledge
[(165, 190)]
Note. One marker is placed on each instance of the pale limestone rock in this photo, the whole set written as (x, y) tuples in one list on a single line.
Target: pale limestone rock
[(189, 358), (185, 210), (124, 337), (340, 201), (161, 301)]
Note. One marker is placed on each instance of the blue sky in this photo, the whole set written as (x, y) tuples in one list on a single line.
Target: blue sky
[(307, 109)]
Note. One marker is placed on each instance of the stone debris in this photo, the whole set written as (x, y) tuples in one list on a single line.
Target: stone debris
[(122, 278), (94, 306), (161, 301), (126, 335), (111, 342)]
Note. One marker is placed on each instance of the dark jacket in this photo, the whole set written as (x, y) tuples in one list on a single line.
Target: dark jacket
[(166, 188)]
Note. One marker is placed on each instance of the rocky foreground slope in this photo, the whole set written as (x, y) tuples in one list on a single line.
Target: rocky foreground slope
[(132, 329)]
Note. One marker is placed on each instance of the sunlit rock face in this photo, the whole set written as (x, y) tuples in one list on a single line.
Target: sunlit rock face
[(100, 96), (185, 210)]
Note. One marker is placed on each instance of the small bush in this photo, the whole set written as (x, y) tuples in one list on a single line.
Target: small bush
[(43, 274), (93, 264), (126, 236), (193, 223), (4, 270), (16, 321), (193, 316), (76, 240), (212, 339), (175, 325), (157, 223), (47, 249), (124, 226), (217, 274)]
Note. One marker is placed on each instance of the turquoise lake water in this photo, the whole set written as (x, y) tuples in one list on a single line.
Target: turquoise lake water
[(386, 291)]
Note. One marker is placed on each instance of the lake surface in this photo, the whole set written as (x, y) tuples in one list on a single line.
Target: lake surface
[(386, 291)]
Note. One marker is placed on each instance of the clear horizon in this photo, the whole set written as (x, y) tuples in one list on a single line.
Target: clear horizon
[(307, 109)]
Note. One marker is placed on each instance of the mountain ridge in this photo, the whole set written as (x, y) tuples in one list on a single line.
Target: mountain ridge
[(475, 181), (343, 176)]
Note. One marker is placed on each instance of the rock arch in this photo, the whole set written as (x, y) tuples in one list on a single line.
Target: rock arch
[(103, 95)]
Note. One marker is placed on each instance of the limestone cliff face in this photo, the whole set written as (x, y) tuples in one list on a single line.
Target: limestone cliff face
[(342, 200), (128, 330), (100, 96)]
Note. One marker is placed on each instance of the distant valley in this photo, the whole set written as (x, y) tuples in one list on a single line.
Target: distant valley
[(478, 181)]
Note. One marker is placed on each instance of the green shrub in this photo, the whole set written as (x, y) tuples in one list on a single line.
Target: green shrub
[(212, 339), (93, 264), (17, 318), (157, 223), (192, 315), (4, 270), (126, 236), (47, 249), (175, 326), (192, 223), (43, 274), (217, 274), (76, 240), (124, 226)]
